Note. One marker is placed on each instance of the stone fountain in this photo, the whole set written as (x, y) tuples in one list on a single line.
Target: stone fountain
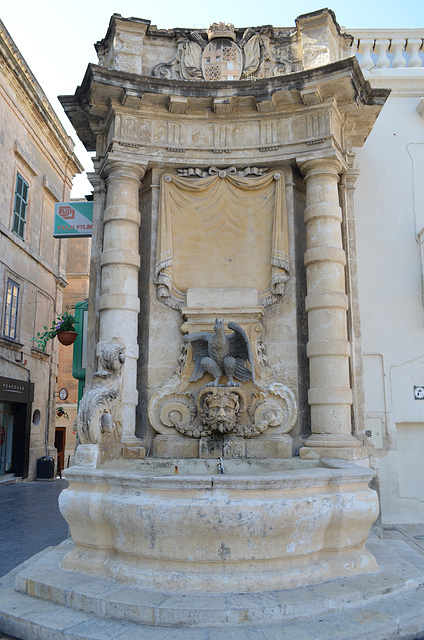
[(221, 445), (223, 506)]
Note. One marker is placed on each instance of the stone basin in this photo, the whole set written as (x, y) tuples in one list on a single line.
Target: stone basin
[(180, 526)]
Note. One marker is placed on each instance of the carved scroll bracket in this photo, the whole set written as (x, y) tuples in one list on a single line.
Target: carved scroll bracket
[(99, 418), (224, 410)]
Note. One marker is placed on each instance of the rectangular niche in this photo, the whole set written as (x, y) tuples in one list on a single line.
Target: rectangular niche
[(223, 231)]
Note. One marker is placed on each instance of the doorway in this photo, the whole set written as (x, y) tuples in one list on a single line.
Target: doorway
[(59, 443), (6, 437)]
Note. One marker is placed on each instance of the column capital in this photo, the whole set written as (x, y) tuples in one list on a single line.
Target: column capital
[(320, 166), (349, 179), (117, 166), (97, 182)]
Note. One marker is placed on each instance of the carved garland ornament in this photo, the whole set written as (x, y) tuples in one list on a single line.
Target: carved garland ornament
[(223, 172)]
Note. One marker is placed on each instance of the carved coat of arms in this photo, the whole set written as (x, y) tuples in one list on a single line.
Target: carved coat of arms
[(222, 59)]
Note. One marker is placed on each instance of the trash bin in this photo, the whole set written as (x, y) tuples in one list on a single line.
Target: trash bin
[(45, 468)]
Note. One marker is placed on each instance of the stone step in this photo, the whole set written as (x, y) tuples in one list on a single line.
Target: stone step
[(386, 604)]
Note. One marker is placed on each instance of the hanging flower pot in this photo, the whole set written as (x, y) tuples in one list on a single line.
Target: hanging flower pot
[(67, 337), (63, 327), (61, 413)]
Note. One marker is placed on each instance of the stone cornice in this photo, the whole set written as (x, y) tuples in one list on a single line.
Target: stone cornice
[(401, 82), (23, 76), (341, 81)]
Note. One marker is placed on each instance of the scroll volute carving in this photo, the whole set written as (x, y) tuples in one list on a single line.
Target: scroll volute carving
[(99, 417)]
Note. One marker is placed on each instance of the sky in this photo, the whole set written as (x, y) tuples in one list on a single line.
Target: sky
[(56, 38)]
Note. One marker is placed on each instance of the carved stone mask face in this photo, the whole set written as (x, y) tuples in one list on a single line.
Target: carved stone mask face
[(221, 411)]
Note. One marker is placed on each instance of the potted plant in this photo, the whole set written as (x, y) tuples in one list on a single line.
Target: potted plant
[(63, 327), (61, 413)]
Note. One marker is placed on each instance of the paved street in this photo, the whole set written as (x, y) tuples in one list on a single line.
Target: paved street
[(30, 520)]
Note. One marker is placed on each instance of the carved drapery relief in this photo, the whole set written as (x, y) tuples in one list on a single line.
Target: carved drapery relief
[(218, 230), (224, 59), (99, 416), (190, 60)]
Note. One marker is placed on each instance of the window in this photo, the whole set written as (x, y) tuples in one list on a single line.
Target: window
[(21, 202), (11, 310)]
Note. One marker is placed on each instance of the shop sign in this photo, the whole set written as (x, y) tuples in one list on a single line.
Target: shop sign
[(73, 219), (2, 435), (12, 390)]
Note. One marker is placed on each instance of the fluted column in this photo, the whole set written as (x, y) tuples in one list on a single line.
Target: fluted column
[(328, 349), (119, 304)]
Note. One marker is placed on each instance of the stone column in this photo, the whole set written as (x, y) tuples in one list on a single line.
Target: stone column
[(119, 304), (328, 349), (99, 203)]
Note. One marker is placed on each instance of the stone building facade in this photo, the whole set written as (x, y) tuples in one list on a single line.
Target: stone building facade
[(37, 164), (77, 276)]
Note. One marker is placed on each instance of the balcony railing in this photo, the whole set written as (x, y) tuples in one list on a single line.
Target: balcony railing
[(388, 49)]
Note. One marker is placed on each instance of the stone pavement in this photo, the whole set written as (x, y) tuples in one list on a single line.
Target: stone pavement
[(413, 534), (30, 521)]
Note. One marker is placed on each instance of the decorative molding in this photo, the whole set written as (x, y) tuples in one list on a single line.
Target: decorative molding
[(220, 410), (184, 405), (196, 172), (25, 158), (49, 189)]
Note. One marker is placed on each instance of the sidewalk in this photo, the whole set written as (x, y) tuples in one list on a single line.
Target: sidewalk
[(413, 534), (30, 520)]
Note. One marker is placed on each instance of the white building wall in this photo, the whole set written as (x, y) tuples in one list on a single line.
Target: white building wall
[(389, 211)]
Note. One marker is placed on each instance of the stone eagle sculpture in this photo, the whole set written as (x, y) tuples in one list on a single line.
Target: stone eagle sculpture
[(221, 354)]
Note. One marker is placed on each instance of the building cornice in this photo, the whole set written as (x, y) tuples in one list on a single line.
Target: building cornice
[(341, 82), (22, 75), (401, 82)]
